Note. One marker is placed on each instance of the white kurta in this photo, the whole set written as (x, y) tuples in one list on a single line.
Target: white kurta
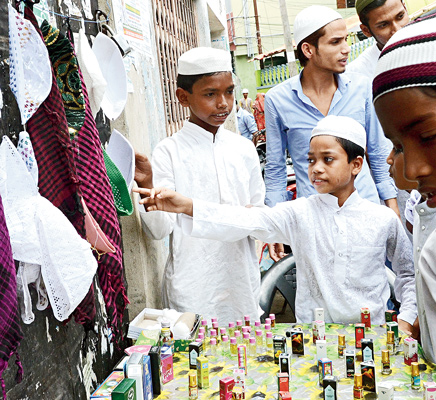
[(339, 251), (366, 62), (424, 247), (209, 277)]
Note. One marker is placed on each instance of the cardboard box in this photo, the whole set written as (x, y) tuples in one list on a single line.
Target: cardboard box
[(359, 332), (134, 369), (285, 396), (202, 372), (329, 388), (155, 369), (166, 360), (121, 363), (279, 345), (109, 384), (226, 388), (410, 350), (283, 382), (297, 341), (148, 337), (325, 367), (385, 391), (367, 349), (126, 390), (179, 344), (368, 376), (147, 379)]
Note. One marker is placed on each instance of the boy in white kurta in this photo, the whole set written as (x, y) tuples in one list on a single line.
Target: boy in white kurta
[(204, 160), (340, 241)]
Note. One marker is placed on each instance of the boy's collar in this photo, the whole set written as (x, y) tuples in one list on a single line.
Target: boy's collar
[(199, 131), (332, 201)]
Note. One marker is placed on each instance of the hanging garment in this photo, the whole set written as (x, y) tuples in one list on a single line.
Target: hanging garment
[(48, 130), (41, 234), (29, 65), (92, 75), (10, 330), (29, 273), (95, 186), (58, 180)]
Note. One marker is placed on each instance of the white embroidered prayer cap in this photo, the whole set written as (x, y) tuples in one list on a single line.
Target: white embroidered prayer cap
[(341, 127), (311, 19), (244, 91), (92, 75), (30, 69), (41, 234), (204, 60), (112, 67)]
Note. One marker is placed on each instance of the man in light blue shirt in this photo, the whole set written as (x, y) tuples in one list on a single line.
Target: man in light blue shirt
[(246, 124), (293, 108)]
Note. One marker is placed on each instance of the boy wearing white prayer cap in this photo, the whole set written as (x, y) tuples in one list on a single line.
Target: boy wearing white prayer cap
[(294, 107), (209, 277), (339, 240)]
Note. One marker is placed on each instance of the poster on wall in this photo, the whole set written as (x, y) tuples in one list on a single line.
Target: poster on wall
[(132, 19)]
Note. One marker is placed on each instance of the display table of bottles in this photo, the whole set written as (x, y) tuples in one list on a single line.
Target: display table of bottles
[(261, 379)]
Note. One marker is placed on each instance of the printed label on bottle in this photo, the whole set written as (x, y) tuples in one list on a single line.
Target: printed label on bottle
[(358, 393), (329, 393)]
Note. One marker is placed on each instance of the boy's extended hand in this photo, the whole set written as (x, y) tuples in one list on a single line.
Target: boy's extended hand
[(143, 171), (163, 199)]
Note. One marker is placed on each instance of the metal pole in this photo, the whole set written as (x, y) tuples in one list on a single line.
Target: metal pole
[(259, 40), (293, 70)]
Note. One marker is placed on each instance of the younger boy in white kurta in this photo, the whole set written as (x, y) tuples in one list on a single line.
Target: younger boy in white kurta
[(340, 241), (213, 278)]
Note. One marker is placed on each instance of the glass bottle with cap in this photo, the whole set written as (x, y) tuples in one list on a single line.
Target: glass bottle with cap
[(167, 335), (386, 362), (193, 388), (341, 345), (358, 387), (272, 317), (252, 347), (212, 346), (231, 329), (415, 377), (390, 342), (233, 346), (225, 344), (269, 342)]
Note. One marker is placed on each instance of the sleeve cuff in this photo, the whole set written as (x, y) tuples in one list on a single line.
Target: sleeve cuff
[(387, 189), (408, 316), (272, 198)]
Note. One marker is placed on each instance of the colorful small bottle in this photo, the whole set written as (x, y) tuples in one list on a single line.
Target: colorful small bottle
[(386, 362), (167, 335), (215, 326), (214, 319), (252, 347), (273, 320), (193, 388), (225, 344), (257, 324), (341, 345), (246, 339), (268, 321), (201, 336), (247, 320), (267, 327), (231, 329), (415, 376), (233, 347), (246, 329), (212, 344), (269, 342), (202, 330), (204, 325), (259, 342), (239, 325), (222, 333), (238, 337), (358, 387), (390, 342)]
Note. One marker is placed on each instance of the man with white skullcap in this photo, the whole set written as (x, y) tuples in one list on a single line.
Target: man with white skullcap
[(404, 90), (294, 107), (246, 102), (205, 160), (379, 19), (339, 250)]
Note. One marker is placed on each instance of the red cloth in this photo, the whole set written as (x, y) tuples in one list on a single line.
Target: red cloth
[(259, 111)]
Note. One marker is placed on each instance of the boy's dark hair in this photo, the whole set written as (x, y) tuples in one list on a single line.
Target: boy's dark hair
[(187, 81), (312, 39), (363, 15), (352, 149)]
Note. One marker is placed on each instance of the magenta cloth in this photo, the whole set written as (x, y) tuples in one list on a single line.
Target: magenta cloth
[(10, 329), (95, 188)]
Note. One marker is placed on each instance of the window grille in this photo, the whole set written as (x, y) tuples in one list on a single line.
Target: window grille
[(176, 32)]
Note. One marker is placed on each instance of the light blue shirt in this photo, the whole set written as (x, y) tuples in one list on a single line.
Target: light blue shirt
[(246, 123), (290, 117)]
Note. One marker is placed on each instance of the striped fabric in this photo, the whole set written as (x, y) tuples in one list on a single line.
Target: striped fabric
[(10, 330), (96, 191), (408, 59)]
